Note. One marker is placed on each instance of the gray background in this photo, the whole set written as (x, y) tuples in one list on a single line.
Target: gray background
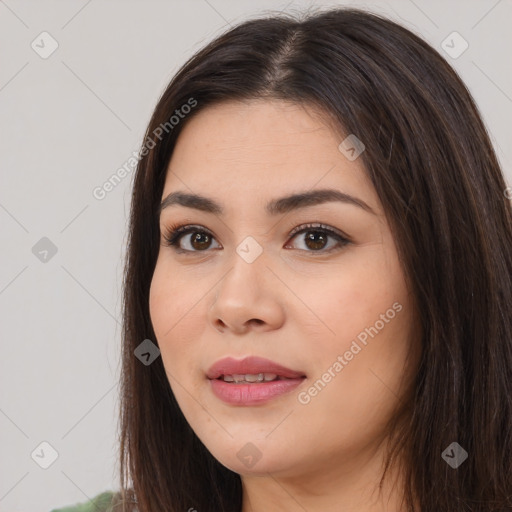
[(68, 123)]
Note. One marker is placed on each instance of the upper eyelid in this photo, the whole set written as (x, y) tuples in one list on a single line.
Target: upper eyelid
[(316, 225), (186, 229), (295, 230)]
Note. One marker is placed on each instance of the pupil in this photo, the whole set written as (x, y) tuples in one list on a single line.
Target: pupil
[(311, 238), (196, 239)]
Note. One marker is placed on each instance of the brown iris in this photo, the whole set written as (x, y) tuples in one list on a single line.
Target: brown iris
[(202, 240), (313, 236)]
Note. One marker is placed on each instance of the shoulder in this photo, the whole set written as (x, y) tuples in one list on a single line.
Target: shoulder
[(101, 503)]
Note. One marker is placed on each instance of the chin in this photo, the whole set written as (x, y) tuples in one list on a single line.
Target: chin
[(256, 458)]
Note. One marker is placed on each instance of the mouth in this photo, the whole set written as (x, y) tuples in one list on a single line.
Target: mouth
[(252, 369), (252, 380)]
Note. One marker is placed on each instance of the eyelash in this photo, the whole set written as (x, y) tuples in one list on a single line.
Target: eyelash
[(174, 233)]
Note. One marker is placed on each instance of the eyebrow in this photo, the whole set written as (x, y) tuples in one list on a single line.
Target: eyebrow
[(274, 207)]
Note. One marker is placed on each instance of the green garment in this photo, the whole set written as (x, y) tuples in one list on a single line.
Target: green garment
[(99, 503)]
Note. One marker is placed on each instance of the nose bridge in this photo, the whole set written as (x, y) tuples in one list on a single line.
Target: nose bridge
[(248, 263), (245, 293)]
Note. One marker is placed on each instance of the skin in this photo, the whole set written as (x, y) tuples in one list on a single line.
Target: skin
[(299, 307)]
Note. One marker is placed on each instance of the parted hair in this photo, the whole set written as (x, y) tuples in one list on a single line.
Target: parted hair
[(430, 159)]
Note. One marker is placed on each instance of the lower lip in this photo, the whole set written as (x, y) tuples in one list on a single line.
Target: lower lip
[(252, 394)]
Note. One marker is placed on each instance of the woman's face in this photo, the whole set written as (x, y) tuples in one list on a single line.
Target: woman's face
[(332, 307)]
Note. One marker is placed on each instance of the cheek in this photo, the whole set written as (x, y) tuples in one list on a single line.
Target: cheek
[(367, 314), (350, 400), (162, 307), (175, 309), (350, 296)]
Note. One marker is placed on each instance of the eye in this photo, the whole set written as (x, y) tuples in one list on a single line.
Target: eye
[(200, 240), (317, 238)]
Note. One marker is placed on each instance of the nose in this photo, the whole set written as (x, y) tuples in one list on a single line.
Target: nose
[(247, 298)]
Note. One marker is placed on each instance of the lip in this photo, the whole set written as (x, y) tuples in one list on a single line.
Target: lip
[(251, 365), (254, 393)]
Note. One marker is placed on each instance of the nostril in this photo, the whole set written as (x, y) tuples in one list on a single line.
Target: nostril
[(220, 325)]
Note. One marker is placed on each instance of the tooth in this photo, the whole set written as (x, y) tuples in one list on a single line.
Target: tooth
[(250, 377)]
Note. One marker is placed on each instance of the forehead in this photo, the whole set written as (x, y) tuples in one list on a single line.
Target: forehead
[(261, 148), (256, 132)]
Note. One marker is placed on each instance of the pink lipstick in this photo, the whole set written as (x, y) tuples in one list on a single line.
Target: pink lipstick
[(252, 380)]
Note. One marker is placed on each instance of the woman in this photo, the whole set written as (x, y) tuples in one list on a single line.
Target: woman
[(318, 285)]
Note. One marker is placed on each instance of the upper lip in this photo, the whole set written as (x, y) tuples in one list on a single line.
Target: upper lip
[(250, 365)]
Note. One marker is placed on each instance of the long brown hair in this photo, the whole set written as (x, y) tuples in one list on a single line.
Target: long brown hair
[(431, 162)]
